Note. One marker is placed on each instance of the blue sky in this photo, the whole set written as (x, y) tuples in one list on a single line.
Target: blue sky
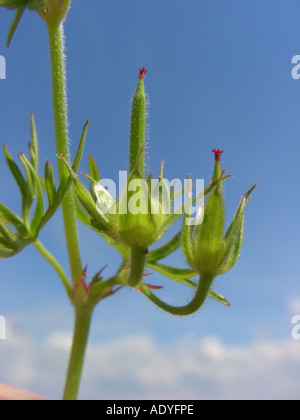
[(219, 76)]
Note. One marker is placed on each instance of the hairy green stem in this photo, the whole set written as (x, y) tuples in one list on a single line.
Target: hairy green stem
[(198, 300), (83, 317), (55, 264), (138, 261), (56, 41), (83, 313)]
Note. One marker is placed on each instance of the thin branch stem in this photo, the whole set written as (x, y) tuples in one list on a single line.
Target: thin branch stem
[(55, 264), (198, 300), (137, 266)]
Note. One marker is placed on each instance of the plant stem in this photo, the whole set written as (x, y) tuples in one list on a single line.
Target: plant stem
[(56, 41), (55, 264), (203, 288), (83, 312), (138, 261), (83, 317)]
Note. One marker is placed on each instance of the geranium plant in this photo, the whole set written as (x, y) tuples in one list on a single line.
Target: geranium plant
[(132, 223)]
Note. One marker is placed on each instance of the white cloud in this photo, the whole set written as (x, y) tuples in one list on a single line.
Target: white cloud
[(294, 306), (136, 367)]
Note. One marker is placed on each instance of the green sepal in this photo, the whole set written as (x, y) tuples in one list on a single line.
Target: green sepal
[(187, 244), (36, 4), (172, 272), (161, 196), (173, 217), (233, 238), (165, 250), (219, 298), (94, 175)]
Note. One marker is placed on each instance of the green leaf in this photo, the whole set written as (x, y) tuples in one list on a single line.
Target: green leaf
[(165, 250), (34, 150), (30, 192), (50, 183), (20, 5), (10, 217), (6, 253), (17, 18), (172, 272), (9, 236), (15, 172), (79, 153), (39, 211), (87, 201), (66, 180)]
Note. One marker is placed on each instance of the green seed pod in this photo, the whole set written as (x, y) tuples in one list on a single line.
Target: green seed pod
[(138, 125)]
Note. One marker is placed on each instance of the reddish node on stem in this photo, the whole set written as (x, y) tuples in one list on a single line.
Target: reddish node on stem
[(217, 153), (143, 73)]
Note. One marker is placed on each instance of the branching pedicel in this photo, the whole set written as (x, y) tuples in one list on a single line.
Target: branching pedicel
[(208, 251)]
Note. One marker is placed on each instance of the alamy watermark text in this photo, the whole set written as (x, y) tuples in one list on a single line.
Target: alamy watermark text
[(2, 67), (2, 328)]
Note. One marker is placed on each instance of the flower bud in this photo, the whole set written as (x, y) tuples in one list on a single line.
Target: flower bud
[(205, 248), (203, 244), (138, 227)]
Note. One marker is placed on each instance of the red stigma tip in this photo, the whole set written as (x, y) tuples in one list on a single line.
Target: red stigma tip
[(143, 73), (217, 153)]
